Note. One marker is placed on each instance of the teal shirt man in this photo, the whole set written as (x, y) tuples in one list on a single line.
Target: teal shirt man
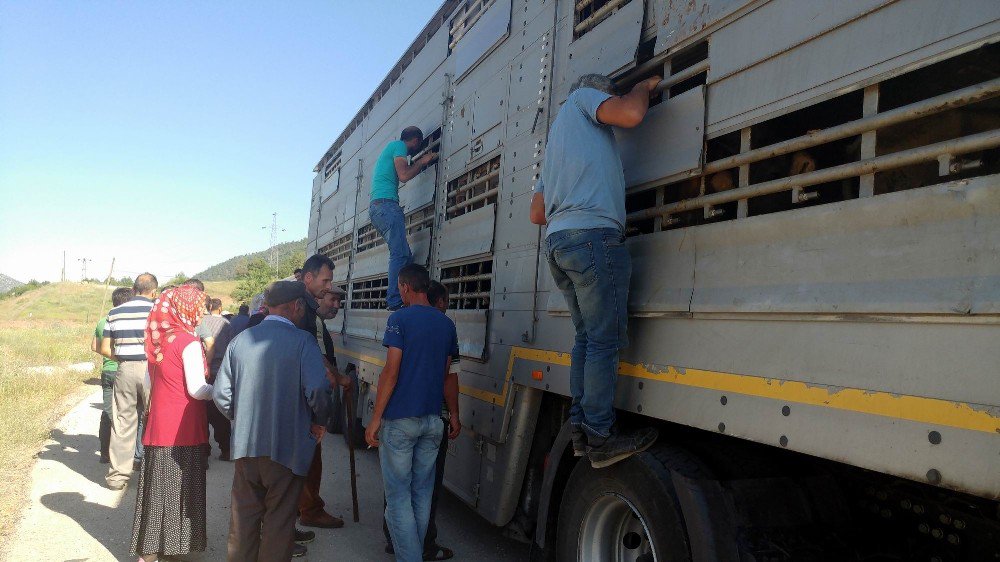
[(385, 180), (386, 215)]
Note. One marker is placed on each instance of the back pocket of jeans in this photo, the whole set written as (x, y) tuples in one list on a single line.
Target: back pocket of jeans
[(577, 262)]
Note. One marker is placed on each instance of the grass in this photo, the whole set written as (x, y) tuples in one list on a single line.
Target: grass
[(221, 290), (51, 325)]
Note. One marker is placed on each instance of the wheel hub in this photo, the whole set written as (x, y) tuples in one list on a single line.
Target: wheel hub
[(613, 530)]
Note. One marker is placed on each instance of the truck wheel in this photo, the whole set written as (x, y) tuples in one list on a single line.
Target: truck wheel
[(627, 511)]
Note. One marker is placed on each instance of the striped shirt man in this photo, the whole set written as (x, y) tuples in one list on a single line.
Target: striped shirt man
[(126, 327)]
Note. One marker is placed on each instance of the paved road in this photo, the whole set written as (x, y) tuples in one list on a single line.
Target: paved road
[(73, 517)]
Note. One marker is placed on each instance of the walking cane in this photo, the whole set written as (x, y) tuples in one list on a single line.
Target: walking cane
[(349, 399)]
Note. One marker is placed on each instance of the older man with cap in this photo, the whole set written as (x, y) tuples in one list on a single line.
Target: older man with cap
[(272, 384)]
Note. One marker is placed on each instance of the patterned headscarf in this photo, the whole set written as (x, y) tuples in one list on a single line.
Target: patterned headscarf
[(177, 310)]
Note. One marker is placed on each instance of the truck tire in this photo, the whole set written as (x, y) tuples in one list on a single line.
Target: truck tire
[(627, 511)]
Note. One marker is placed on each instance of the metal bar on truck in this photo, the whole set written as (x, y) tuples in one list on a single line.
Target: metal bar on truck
[(472, 201), (598, 15), (929, 153), (681, 76), (930, 106), (482, 277)]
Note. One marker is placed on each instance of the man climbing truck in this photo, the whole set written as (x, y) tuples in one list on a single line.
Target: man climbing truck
[(812, 214)]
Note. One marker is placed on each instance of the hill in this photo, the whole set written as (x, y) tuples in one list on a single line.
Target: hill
[(62, 302), (226, 270), (8, 283)]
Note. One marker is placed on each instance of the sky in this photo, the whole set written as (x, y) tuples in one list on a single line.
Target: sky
[(165, 134)]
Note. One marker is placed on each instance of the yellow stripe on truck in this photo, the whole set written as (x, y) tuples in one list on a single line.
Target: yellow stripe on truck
[(913, 408)]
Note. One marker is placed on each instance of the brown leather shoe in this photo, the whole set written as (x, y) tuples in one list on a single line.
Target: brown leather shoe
[(324, 521)]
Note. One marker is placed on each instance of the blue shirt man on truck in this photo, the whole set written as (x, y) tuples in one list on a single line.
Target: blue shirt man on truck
[(580, 196), (392, 167)]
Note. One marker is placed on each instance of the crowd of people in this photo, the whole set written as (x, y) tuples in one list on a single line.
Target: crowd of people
[(175, 365)]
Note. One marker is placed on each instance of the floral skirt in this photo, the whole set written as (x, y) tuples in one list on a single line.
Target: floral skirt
[(170, 501)]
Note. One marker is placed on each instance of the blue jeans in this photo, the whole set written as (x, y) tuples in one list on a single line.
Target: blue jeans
[(387, 218), (408, 454), (592, 268)]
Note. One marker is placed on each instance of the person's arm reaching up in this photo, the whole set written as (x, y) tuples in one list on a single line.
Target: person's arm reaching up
[(628, 111), (194, 372), (407, 172), (386, 384)]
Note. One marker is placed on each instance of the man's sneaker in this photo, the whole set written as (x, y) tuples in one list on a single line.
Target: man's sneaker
[(117, 485), (302, 537), (618, 447), (579, 439), (298, 551)]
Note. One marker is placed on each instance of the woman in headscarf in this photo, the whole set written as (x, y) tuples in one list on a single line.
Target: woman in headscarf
[(170, 501)]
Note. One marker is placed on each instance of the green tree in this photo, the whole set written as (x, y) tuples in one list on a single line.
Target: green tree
[(290, 263), (252, 280), (177, 279)]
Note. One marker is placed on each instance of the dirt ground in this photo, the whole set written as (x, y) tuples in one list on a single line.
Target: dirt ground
[(72, 517)]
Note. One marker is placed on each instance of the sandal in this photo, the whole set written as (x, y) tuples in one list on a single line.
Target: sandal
[(439, 553)]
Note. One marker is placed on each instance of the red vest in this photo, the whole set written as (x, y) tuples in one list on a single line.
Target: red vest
[(175, 419)]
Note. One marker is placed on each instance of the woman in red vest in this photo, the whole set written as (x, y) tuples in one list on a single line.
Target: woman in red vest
[(170, 501)]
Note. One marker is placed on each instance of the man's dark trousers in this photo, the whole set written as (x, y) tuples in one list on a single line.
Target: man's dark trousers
[(222, 428), (264, 505), (430, 540), (310, 504)]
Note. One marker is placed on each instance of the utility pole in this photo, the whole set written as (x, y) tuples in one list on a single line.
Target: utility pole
[(64, 267), (274, 241), (83, 262)]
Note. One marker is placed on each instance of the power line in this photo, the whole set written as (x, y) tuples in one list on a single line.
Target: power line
[(83, 262), (273, 248)]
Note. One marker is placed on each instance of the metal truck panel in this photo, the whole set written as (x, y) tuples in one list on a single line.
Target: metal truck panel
[(370, 262), (487, 33), (668, 142), (663, 276), (529, 80), (679, 20), (365, 323), (594, 53), (778, 26), (419, 191), (511, 231), (936, 254), (889, 39), (471, 328), (467, 235), (885, 432)]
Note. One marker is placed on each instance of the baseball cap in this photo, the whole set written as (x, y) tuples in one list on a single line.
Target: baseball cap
[(281, 292)]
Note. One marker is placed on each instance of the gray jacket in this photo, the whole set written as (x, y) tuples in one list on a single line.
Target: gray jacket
[(272, 384)]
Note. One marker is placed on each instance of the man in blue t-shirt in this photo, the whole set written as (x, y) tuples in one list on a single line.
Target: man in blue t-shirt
[(392, 167), (421, 342), (580, 196)]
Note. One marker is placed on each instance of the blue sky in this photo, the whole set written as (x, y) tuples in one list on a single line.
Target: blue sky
[(164, 134)]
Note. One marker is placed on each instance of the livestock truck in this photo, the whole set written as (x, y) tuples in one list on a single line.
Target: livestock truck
[(813, 214)]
